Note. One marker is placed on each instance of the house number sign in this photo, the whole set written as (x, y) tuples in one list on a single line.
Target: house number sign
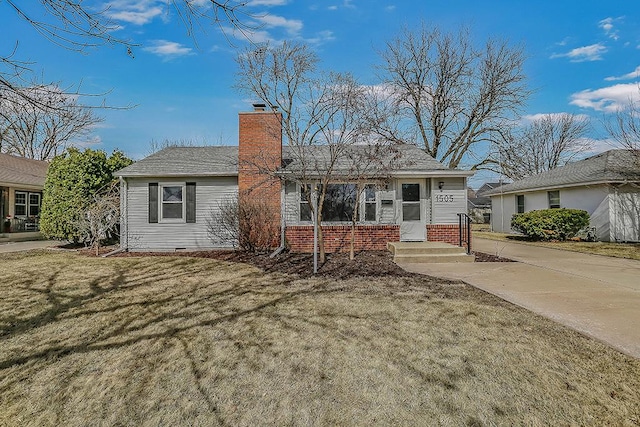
[(444, 198)]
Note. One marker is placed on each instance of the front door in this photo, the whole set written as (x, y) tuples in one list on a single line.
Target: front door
[(412, 217)]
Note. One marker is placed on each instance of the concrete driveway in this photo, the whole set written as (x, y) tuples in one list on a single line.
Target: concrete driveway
[(596, 295)]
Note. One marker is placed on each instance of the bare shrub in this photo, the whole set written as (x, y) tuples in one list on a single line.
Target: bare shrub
[(100, 221), (248, 223)]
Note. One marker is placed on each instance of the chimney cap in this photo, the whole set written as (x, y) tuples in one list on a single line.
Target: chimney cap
[(259, 106)]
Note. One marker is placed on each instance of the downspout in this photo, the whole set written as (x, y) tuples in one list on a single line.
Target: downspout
[(283, 224), (124, 214)]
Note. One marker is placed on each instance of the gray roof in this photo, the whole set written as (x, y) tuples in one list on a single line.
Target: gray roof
[(16, 171), (223, 161), (186, 161), (614, 166)]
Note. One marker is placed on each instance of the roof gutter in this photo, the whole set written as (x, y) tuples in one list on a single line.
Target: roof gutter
[(498, 192)]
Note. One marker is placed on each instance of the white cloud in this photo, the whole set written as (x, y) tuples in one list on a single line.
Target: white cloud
[(608, 27), (586, 53), (292, 26), (134, 12), (607, 99), (168, 49), (632, 75), (538, 116), (267, 3)]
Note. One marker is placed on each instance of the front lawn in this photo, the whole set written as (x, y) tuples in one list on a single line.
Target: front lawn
[(190, 341)]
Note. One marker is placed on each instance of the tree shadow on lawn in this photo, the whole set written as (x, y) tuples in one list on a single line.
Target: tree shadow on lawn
[(163, 332)]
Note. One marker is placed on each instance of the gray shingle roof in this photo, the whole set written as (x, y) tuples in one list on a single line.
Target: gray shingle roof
[(223, 161), (613, 166), (17, 171), (186, 161)]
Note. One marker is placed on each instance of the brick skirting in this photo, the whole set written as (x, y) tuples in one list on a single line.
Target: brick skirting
[(337, 238), (448, 233)]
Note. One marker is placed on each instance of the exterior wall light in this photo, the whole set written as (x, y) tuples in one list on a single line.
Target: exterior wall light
[(440, 185)]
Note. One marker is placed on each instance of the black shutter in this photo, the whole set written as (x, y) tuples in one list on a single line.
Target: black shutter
[(191, 202), (153, 202)]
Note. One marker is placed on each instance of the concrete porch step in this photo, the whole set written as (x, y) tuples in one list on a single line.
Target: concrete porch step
[(428, 252)]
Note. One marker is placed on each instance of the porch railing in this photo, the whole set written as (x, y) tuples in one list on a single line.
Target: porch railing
[(464, 227), (20, 225)]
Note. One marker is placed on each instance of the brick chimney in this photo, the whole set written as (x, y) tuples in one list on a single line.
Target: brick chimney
[(260, 155)]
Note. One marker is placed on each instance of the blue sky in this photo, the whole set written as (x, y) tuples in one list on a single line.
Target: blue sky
[(584, 58)]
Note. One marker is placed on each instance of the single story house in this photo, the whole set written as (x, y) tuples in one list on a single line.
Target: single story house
[(21, 184), (606, 185), (479, 204), (168, 197)]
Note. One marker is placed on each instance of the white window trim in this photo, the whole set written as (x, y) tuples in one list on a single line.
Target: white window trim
[(362, 202), (161, 218), (25, 204)]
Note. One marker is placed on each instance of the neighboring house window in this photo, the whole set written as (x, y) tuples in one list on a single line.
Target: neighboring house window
[(20, 204), (34, 204), (520, 203), (370, 203), (554, 199)]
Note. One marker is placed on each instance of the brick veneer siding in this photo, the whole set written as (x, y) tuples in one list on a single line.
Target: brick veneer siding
[(337, 238), (448, 233)]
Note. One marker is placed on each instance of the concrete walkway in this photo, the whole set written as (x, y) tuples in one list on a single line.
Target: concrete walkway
[(27, 246), (596, 295)]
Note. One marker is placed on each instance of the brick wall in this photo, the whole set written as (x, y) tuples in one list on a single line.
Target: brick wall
[(259, 156), (448, 233), (337, 238)]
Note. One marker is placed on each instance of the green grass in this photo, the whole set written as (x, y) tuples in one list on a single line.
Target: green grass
[(184, 341), (618, 250)]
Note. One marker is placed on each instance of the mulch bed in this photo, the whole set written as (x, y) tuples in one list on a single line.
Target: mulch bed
[(338, 265)]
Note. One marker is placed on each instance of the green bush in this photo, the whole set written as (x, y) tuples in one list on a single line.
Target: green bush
[(550, 224), (73, 179)]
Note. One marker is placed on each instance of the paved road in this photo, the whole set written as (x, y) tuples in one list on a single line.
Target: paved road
[(596, 295)]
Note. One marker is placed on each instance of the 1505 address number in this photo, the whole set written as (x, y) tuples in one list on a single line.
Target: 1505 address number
[(444, 198)]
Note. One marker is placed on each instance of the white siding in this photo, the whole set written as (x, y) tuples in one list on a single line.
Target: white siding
[(502, 209), (448, 202), (142, 236), (593, 199), (625, 214)]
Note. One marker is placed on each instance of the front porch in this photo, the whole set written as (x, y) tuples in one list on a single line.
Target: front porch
[(428, 252)]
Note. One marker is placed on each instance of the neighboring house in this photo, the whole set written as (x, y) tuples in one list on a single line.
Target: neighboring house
[(167, 197), (479, 204), (21, 184), (607, 186)]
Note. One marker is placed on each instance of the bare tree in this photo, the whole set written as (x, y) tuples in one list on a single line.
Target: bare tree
[(446, 95), (318, 109), (549, 141), (42, 129), (74, 25), (624, 128), (100, 221)]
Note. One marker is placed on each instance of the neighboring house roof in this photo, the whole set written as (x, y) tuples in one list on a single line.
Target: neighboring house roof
[(488, 186), (16, 171), (613, 166), (223, 161)]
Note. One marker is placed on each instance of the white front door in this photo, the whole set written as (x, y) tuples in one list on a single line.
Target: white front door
[(412, 213)]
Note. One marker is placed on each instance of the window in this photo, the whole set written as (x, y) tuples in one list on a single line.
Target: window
[(20, 204), (339, 202), (554, 199), (305, 199), (34, 204), (172, 206), (369, 203), (520, 203)]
